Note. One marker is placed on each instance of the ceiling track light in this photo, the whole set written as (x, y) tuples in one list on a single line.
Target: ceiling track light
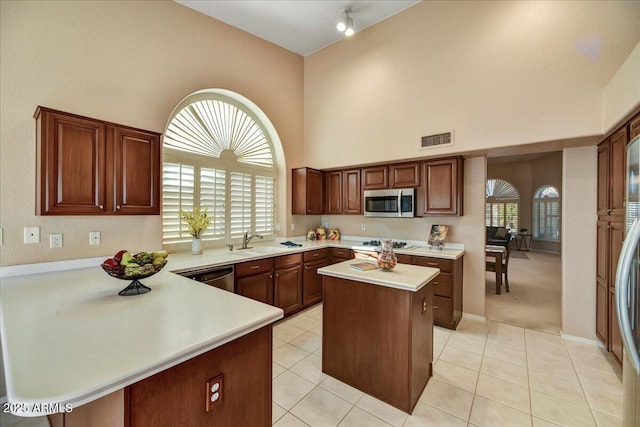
[(345, 24)]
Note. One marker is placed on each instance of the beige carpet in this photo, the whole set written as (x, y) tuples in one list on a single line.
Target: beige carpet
[(534, 300)]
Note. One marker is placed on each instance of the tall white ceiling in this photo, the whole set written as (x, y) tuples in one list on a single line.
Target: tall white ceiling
[(299, 26)]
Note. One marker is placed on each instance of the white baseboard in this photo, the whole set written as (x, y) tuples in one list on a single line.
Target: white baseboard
[(581, 340)]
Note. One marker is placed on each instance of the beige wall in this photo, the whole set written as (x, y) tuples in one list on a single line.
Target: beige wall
[(579, 242), (500, 74), (527, 176), (128, 62), (622, 94)]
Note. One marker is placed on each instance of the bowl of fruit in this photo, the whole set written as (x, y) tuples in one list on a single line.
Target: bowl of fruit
[(127, 266)]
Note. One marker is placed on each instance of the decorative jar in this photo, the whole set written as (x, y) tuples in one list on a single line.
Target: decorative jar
[(387, 259)]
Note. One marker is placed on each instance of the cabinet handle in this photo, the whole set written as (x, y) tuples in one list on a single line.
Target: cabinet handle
[(117, 207), (101, 207), (277, 275), (425, 306), (432, 263), (316, 254), (253, 267), (435, 307), (435, 282), (270, 276)]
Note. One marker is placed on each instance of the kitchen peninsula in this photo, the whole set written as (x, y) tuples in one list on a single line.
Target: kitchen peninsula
[(71, 342), (377, 330)]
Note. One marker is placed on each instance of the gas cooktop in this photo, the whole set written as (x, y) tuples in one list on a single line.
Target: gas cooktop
[(396, 245)]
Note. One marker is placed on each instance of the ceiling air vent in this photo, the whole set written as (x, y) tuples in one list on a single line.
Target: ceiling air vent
[(437, 140)]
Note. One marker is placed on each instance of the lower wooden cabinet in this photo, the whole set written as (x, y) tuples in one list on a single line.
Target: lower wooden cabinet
[(337, 255), (311, 280), (447, 289), (254, 279), (287, 283)]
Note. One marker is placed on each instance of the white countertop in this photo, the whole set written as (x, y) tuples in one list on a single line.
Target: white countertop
[(403, 276), (68, 337)]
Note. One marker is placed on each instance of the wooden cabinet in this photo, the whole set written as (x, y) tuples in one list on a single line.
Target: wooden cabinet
[(311, 280), (91, 167), (254, 279), (442, 186), (602, 281), (343, 193), (287, 283), (616, 239), (307, 192), (178, 395), (375, 178), (351, 192), (337, 255), (634, 127), (333, 192), (447, 289), (404, 175)]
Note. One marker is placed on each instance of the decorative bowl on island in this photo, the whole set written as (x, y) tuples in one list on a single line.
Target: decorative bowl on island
[(126, 266)]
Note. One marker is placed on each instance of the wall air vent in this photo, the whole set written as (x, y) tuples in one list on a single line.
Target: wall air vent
[(437, 140)]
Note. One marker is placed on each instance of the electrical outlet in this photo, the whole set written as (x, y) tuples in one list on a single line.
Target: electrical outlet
[(325, 224), (363, 226), (94, 237), (277, 226), (55, 240), (32, 234), (214, 392)]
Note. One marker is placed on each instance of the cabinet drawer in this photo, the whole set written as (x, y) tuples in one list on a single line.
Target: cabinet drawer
[(315, 254), (404, 258), (442, 285), (442, 309), (288, 260), (443, 264), (254, 267), (341, 253)]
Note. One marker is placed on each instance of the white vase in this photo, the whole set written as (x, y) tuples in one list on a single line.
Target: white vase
[(196, 247)]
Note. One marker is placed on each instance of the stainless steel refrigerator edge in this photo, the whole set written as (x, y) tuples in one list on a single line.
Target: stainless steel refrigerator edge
[(628, 290)]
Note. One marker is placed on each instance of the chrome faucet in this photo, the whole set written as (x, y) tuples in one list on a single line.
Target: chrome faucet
[(246, 239)]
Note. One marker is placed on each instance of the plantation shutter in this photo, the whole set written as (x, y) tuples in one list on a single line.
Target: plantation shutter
[(178, 185), (213, 197), (264, 204), (241, 204)]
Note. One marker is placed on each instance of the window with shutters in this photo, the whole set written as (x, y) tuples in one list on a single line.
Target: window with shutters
[(502, 204), (546, 213), (217, 155)]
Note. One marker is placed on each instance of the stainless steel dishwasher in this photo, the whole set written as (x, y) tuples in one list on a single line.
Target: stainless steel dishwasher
[(220, 276)]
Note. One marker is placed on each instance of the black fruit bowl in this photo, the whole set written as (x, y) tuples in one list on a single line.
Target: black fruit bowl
[(135, 287)]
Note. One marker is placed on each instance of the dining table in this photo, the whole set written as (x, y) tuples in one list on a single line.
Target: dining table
[(497, 252)]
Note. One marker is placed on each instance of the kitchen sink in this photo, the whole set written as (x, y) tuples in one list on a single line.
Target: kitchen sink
[(261, 250)]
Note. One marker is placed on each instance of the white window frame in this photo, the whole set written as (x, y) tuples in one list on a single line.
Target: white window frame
[(546, 203)]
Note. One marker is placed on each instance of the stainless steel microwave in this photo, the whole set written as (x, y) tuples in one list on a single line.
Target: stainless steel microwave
[(396, 203)]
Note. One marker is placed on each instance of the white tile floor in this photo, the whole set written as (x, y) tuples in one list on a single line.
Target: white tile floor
[(485, 374)]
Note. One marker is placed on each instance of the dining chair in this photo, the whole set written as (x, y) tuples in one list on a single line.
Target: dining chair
[(491, 266)]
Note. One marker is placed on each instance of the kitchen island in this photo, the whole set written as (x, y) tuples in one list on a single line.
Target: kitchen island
[(74, 347), (377, 330)]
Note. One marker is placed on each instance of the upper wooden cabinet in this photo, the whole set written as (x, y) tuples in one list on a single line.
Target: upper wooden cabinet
[(634, 127), (611, 173), (404, 175), (375, 178), (401, 175), (90, 167), (442, 187), (343, 192), (307, 192)]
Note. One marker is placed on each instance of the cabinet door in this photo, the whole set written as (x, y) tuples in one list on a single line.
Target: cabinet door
[(442, 187), (616, 238), (137, 172), (405, 175), (333, 194), (287, 285), (602, 282), (258, 287), (339, 255), (603, 178), (315, 202), (352, 192), (71, 164), (618, 169), (375, 178), (312, 282), (307, 196)]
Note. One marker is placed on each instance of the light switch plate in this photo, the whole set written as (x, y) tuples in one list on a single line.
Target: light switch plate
[(32, 234), (1, 237)]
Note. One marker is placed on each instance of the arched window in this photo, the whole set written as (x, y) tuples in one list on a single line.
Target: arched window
[(546, 213), (501, 204), (217, 154)]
